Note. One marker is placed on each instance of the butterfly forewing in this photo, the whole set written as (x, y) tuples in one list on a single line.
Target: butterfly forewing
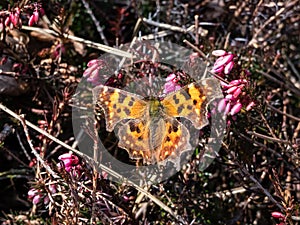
[(191, 101), (119, 105)]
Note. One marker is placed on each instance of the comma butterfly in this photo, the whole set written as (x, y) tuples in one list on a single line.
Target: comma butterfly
[(149, 128)]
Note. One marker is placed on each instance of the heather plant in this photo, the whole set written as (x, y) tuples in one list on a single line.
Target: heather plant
[(53, 50)]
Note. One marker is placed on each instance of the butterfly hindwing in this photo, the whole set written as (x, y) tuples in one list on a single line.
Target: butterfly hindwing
[(155, 140), (175, 140)]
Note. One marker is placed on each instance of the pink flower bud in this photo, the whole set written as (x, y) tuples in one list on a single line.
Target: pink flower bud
[(36, 199), (7, 21), (92, 62), (250, 105), (42, 122), (229, 96), (52, 188), (222, 105), (227, 108), (89, 70), (120, 76), (18, 11), (36, 16), (225, 85), (69, 159), (277, 215), (237, 92), (228, 67), (219, 52), (235, 82), (223, 60), (170, 87), (3, 60), (218, 69), (32, 192), (232, 89), (93, 77), (46, 200), (236, 108), (14, 19), (170, 77), (31, 21)]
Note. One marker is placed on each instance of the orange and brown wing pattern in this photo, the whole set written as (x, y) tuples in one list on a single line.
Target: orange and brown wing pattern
[(154, 140), (118, 105), (192, 100), (175, 141), (134, 137)]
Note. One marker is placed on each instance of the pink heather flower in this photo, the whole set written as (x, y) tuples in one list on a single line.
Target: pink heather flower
[(46, 200), (219, 53), (224, 63), (36, 16), (125, 198), (59, 49), (171, 84), (227, 108), (31, 21), (225, 85), (237, 82), (171, 77), (32, 192), (250, 106), (93, 71), (222, 105), (218, 70), (277, 215), (230, 97), (237, 92), (3, 60), (36, 199), (231, 89), (52, 188), (236, 108), (69, 160), (228, 67), (93, 62), (223, 60), (170, 87), (7, 21)]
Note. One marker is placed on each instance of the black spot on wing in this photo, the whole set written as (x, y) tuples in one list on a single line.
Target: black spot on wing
[(127, 111), (175, 128), (176, 100), (121, 98), (186, 95), (180, 108), (132, 127)]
